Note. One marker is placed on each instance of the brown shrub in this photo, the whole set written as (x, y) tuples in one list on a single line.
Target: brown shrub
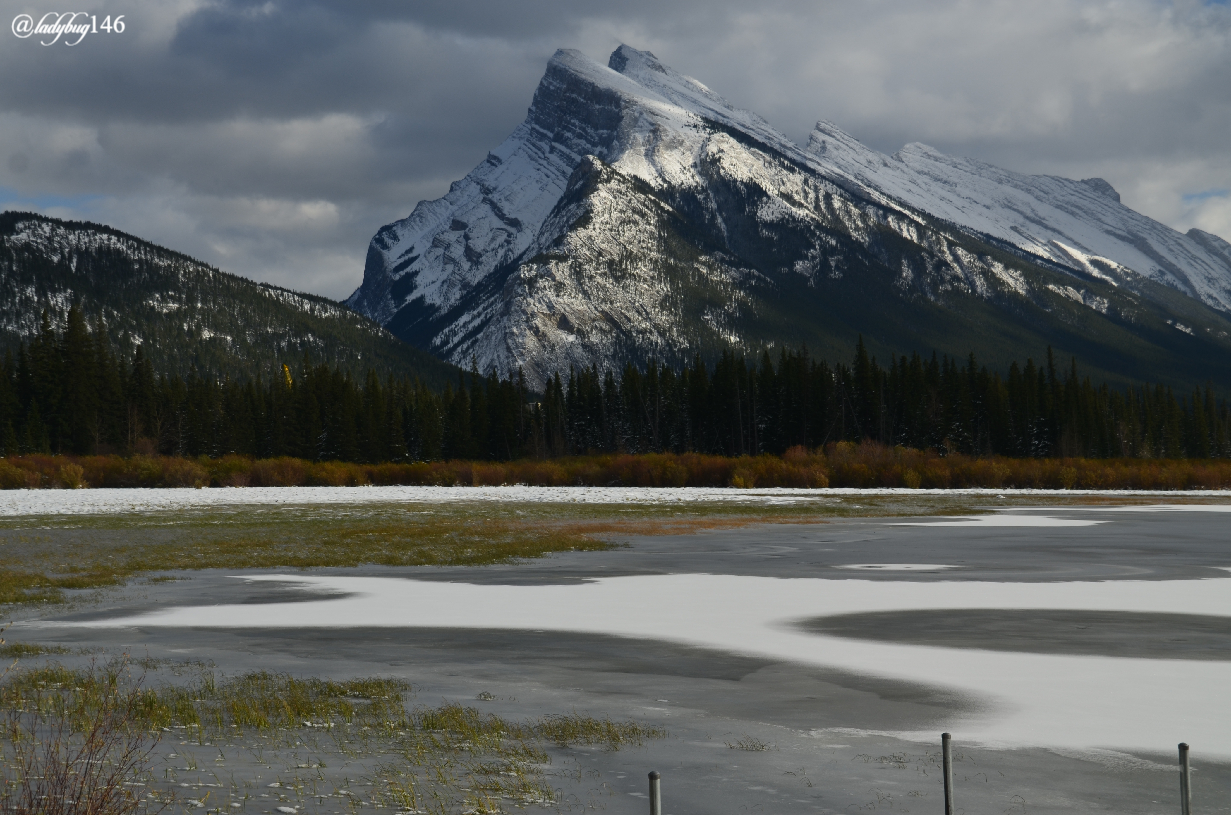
[(841, 464), (852, 474), (71, 476), (538, 473), (936, 475), (488, 475), (336, 474), (183, 472), (229, 471), (13, 477), (797, 454), (387, 474), (743, 478), (278, 472), (114, 471)]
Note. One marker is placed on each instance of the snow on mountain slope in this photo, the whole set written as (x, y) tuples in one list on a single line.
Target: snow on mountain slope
[(687, 93), (595, 286), (1079, 224)]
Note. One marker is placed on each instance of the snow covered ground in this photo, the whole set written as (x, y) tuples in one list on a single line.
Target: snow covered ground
[(97, 501), (1076, 702)]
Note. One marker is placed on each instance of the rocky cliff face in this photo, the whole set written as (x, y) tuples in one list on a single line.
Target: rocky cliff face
[(637, 215)]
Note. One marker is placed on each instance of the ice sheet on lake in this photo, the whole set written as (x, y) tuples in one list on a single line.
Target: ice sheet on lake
[(1003, 519), (114, 501), (897, 567), (1076, 702)]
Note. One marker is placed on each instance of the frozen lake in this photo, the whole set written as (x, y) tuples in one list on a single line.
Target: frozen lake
[(1068, 650)]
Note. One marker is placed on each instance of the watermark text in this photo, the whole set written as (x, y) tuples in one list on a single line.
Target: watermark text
[(69, 27)]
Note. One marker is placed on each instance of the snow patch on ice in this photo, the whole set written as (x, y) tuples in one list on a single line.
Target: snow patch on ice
[(1138, 508), (1003, 520), (897, 567)]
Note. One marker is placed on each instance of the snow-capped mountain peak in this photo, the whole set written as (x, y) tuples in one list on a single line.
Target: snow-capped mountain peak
[(636, 214)]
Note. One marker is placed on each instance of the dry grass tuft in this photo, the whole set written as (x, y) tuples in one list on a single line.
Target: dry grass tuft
[(750, 743), (19, 650), (565, 730)]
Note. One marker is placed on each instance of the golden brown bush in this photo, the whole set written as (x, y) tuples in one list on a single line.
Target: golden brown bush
[(841, 464)]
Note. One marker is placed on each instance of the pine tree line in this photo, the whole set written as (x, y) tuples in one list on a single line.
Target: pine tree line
[(69, 391)]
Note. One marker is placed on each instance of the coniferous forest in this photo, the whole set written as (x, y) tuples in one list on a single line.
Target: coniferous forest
[(71, 392)]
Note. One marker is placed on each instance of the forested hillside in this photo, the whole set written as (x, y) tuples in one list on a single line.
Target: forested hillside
[(183, 314)]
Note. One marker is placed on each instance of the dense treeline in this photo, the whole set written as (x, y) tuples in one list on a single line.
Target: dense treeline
[(71, 392)]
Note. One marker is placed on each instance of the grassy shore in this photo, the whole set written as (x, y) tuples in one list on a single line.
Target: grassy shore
[(42, 558)]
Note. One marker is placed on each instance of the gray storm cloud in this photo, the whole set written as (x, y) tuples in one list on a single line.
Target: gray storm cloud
[(272, 139)]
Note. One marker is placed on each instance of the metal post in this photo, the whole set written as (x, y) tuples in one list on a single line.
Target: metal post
[(1186, 790), (656, 794), (947, 758)]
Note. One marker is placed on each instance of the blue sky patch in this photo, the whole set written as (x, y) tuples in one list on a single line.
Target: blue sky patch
[(1204, 195), (11, 199)]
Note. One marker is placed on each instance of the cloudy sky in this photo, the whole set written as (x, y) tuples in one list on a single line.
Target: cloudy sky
[(273, 139)]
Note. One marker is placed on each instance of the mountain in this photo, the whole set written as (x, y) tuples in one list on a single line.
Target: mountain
[(183, 313), (635, 215), (1080, 225)]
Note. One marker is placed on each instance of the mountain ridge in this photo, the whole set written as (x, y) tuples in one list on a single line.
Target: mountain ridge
[(754, 242)]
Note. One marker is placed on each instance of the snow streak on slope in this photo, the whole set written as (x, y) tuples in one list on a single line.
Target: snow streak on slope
[(1079, 224)]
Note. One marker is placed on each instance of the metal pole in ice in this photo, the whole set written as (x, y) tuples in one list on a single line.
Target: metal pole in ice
[(656, 794), (1186, 789), (947, 758)]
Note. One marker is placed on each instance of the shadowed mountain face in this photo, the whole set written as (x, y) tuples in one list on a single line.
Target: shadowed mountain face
[(636, 215), (183, 314)]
